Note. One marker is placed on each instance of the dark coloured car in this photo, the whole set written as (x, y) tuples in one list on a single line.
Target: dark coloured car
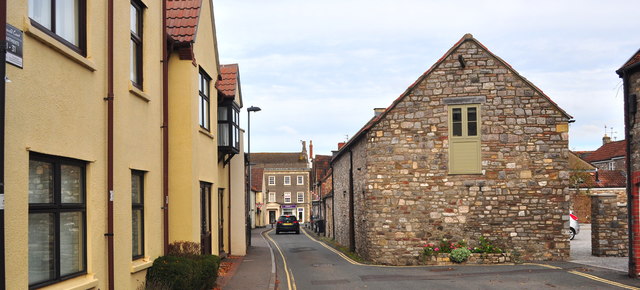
[(287, 223)]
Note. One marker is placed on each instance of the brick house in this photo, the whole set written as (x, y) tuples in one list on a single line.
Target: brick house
[(610, 156), (470, 149), (630, 74)]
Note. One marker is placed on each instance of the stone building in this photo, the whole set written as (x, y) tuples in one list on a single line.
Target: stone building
[(630, 74), (285, 182), (470, 149)]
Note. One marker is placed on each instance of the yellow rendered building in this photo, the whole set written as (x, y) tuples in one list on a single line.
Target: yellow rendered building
[(102, 146)]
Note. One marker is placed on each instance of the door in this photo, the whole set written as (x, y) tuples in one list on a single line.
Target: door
[(205, 218), (272, 216), (221, 219)]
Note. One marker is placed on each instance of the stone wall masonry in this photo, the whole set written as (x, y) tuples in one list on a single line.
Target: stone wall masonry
[(609, 226), (519, 200)]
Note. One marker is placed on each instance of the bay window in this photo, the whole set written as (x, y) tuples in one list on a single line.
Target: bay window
[(229, 127)]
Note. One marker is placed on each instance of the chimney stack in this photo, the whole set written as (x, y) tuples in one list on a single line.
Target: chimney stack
[(310, 149), (341, 144), (606, 139)]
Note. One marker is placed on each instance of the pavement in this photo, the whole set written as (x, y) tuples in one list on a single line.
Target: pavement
[(581, 253), (256, 270)]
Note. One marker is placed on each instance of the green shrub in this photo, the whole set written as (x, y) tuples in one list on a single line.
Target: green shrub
[(485, 246), (183, 268), (459, 255)]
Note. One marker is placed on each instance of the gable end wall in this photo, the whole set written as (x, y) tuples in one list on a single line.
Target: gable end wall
[(520, 200)]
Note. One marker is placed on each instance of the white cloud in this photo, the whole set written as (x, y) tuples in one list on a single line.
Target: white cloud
[(319, 67)]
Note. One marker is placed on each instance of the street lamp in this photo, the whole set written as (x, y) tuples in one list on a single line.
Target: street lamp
[(248, 198)]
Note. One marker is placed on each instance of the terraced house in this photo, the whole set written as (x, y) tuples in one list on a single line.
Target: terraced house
[(114, 141), (470, 149)]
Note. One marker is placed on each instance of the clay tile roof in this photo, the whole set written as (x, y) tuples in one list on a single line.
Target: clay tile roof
[(256, 179), (632, 61), (229, 80), (182, 19), (608, 179), (608, 151)]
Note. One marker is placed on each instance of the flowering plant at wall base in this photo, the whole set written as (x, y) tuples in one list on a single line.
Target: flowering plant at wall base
[(485, 246), (447, 246)]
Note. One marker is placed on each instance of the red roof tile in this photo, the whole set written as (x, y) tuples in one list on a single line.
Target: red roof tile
[(182, 19), (608, 151), (466, 37), (229, 80), (607, 179)]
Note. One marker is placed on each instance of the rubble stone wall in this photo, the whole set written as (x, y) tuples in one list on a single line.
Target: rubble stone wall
[(519, 202)]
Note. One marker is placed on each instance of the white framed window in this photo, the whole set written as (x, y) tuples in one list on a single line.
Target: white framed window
[(300, 197), (301, 214), (272, 180), (272, 197), (287, 180), (287, 197), (612, 165), (300, 180)]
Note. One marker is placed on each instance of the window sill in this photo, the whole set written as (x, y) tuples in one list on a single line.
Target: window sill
[(206, 133), (139, 93), (55, 44), (80, 283), (141, 264)]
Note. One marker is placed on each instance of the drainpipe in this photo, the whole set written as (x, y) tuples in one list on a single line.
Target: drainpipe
[(631, 207), (3, 72), (229, 211), (110, 97), (352, 222), (165, 129)]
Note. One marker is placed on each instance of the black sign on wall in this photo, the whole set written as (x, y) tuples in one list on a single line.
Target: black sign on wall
[(14, 45)]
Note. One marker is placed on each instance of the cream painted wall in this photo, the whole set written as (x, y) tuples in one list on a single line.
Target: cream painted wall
[(49, 112), (238, 197), (193, 151), (138, 143)]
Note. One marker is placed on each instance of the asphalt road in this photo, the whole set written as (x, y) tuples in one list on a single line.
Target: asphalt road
[(305, 263)]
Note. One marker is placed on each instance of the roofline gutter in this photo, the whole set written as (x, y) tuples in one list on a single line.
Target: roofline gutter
[(110, 169), (630, 198), (165, 129)]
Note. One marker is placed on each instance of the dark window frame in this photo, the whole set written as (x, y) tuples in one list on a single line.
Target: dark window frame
[(138, 207), (81, 48), (231, 142), (204, 100), (138, 40), (57, 207)]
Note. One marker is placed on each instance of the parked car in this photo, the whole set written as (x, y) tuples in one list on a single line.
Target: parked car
[(574, 226), (287, 223)]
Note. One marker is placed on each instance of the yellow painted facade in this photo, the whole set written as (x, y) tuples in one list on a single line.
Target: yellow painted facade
[(56, 107)]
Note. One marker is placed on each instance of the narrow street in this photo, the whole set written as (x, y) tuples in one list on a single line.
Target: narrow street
[(309, 264)]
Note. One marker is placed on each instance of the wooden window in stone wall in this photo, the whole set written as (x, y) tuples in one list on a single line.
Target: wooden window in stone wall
[(464, 139)]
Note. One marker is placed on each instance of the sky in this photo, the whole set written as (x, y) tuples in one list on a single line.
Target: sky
[(317, 69)]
